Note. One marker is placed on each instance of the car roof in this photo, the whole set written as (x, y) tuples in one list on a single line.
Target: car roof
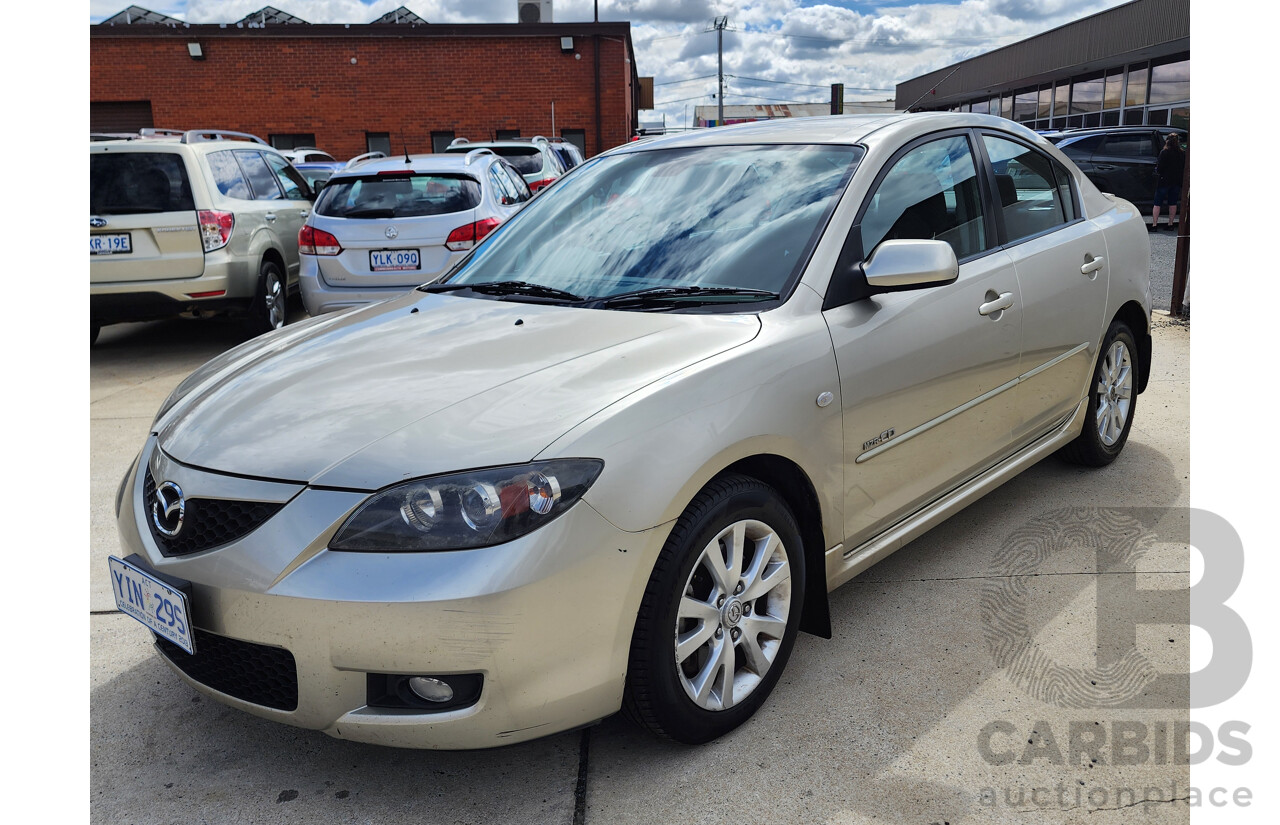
[(452, 164), (835, 129)]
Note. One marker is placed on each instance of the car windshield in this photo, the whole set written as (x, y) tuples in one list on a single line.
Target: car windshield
[(131, 183), (398, 196), (739, 217)]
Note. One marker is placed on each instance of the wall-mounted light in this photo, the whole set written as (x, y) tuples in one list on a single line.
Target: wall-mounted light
[(566, 44), (195, 51)]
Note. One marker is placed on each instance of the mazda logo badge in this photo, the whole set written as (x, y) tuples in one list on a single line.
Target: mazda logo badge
[(392, 231), (97, 223), (168, 510)]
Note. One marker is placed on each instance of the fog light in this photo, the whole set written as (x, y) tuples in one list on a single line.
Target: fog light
[(433, 690)]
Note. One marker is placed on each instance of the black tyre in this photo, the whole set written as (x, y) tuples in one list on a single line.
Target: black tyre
[(270, 309), (720, 613), (1113, 398), (94, 329)]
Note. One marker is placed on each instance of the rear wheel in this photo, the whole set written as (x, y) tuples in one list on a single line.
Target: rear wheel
[(270, 306), (720, 614), (1112, 400), (94, 329)]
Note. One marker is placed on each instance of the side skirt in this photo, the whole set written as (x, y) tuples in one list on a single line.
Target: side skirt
[(843, 565)]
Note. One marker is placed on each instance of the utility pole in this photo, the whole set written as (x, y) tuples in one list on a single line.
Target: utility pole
[(720, 23)]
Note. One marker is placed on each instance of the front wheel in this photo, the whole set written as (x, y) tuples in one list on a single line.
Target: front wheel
[(1112, 400), (720, 614), (270, 306)]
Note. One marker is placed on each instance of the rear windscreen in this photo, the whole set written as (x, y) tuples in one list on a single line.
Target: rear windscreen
[(133, 183), (526, 161), (407, 196)]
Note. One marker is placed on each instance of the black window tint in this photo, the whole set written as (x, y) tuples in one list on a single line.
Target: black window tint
[(408, 196), (1029, 196), (1081, 146), (930, 193), (501, 186), (138, 182), (1133, 146), (261, 180), (1065, 190), (227, 175), (294, 185), (526, 161)]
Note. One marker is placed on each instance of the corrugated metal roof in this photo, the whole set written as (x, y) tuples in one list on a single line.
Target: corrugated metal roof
[(1143, 28)]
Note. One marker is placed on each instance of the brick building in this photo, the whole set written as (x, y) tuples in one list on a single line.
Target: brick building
[(353, 88)]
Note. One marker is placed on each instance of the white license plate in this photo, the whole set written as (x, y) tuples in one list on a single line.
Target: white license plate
[(394, 260), (152, 602), (116, 244)]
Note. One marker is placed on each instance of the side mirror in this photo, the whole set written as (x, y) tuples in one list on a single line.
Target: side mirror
[(910, 264)]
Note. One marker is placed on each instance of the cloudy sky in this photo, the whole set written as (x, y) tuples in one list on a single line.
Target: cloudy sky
[(775, 51)]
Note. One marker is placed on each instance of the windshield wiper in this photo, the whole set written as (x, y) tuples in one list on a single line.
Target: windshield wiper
[(678, 295), (370, 213), (505, 288)]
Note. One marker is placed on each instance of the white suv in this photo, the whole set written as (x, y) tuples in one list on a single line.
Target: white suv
[(534, 158), (201, 222)]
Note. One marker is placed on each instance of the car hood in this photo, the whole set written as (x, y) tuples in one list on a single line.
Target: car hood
[(425, 384)]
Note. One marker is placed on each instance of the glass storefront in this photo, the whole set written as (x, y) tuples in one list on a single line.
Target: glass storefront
[(1156, 93)]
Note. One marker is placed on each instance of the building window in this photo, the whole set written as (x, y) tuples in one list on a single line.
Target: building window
[(1136, 93), (378, 142), (1024, 106), (1158, 117), (1112, 89), (1180, 118), (1110, 118), (1132, 117), (508, 134), (293, 141), (1061, 94), (979, 107), (1086, 94), (1045, 107), (1171, 81), (440, 141), (578, 137), (1006, 107)]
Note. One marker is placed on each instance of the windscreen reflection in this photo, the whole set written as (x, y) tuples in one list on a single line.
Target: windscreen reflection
[(740, 217)]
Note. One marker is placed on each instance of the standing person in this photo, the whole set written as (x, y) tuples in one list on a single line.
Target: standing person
[(1169, 167)]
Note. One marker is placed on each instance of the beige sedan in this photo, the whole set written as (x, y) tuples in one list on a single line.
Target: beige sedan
[(617, 456)]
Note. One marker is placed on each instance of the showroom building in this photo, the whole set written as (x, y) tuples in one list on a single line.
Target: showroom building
[(398, 83), (1129, 65)]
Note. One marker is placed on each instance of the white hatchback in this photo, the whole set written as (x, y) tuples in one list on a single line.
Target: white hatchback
[(389, 225)]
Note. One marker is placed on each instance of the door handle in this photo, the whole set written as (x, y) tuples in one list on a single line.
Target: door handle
[(270, 216), (1003, 302), (1092, 266)]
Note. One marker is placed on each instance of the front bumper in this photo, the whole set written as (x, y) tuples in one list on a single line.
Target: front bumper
[(546, 619)]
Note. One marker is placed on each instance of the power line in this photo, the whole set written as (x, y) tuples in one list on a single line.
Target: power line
[(686, 80)]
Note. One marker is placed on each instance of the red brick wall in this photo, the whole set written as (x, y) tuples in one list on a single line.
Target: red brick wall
[(407, 86)]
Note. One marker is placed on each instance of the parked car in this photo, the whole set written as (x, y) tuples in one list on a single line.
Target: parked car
[(618, 456), (307, 154), (384, 226), (570, 155), (318, 172), (204, 222), (534, 158), (1119, 159)]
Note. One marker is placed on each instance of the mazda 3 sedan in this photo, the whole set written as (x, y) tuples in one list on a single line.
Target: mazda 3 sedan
[(617, 456)]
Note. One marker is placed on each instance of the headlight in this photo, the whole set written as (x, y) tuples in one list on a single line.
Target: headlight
[(465, 510)]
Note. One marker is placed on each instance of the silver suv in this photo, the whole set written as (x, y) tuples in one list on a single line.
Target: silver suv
[(200, 222), (534, 158), (385, 226)]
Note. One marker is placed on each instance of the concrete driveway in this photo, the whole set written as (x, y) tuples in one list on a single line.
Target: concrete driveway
[(956, 687)]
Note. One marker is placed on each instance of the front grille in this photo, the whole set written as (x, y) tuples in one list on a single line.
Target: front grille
[(208, 522), (250, 672)]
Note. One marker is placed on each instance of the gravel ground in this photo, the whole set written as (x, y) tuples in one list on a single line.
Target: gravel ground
[(1164, 245)]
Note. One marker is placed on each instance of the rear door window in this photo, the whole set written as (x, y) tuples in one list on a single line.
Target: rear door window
[(1030, 198), (134, 183), (227, 175), (399, 196), (294, 185), (261, 179), (1130, 146)]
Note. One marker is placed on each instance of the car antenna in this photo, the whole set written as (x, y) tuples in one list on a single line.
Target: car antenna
[(406, 152)]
